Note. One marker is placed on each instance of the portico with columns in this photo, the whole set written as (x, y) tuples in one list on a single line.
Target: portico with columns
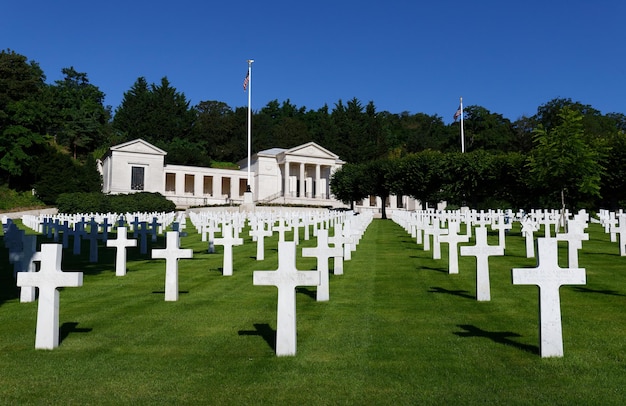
[(296, 175)]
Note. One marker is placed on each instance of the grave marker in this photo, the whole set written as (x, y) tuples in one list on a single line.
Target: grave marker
[(48, 280), (453, 238), (121, 243), (574, 236), (172, 253), (549, 277), (228, 241), (286, 278), (260, 232), (482, 251), (322, 252)]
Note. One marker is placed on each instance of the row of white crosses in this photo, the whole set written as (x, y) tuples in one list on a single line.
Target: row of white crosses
[(287, 277), (548, 275), (614, 223), (348, 228), (50, 277)]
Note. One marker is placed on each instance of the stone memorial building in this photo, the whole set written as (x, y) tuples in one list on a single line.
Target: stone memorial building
[(298, 175)]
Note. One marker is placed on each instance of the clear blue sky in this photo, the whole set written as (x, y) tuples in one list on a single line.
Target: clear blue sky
[(507, 56)]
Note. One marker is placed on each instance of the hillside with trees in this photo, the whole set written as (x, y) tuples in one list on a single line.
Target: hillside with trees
[(51, 135)]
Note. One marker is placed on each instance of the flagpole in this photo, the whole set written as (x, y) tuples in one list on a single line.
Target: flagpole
[(462, 131), (249, 119)]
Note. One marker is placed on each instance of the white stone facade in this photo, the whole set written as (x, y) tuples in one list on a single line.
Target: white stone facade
[(299, 175)]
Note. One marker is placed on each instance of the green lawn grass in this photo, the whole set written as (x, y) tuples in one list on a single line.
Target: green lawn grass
[(398, 329)]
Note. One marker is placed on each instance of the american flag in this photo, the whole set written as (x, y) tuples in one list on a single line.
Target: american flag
[(246, 81), (457, 114)]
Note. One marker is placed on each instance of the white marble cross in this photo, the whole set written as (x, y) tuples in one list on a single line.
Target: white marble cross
[(337, 240), (208, 233), (427, 227), (549, 277), (142, 232), (453, 238), (502, 226), (620, 229), (228, 241), (482, 251), (282, 227), (437, 232), (529, 226), (28, 257), (610, 225), (286, 278), (574, 236), (93, 236), (121, 243), (49, 278), (322, 252), (295, 225), (259, 232), (78, 232), (172, 253), (349, 240)]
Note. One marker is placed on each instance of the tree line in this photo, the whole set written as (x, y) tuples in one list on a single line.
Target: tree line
[(53, 132)]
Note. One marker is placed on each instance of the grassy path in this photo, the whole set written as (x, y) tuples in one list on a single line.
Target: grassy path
[(398, 329)]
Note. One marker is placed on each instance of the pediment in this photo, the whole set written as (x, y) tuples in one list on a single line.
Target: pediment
[(138, 146), (311, 149)]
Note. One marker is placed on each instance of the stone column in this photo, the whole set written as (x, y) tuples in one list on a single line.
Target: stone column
[(318, 181), (234, 188), (180, 184), (217, 186), (198, 187), (302, 183), (285, 180)]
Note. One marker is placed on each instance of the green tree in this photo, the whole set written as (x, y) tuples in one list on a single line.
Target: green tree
[(158, 114), (350, 124), (54, 164), (468, 178), (421, 131), (381, 179), (613, 184), (346, 184), (486, 130), (214, 130), (564, 164), (23, 116), (171, 114), (132, 116), (419, 176), (80, 118)]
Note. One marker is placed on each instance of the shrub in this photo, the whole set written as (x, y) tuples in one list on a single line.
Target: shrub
[(11, 199), (98, 202)]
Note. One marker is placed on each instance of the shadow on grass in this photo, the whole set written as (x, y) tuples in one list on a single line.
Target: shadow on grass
[(162, 292), (306, 291), (500, 337), (430, 268), (461, 293), (601, 291), (264, 331), (68, 328)]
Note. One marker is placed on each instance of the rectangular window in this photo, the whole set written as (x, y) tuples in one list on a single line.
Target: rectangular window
[(137, 178), (372, 201), (208, 185), (189, 184), (243, 185), (170, 182)]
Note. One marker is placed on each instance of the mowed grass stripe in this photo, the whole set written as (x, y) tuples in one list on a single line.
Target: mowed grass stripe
[(398, 329)]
